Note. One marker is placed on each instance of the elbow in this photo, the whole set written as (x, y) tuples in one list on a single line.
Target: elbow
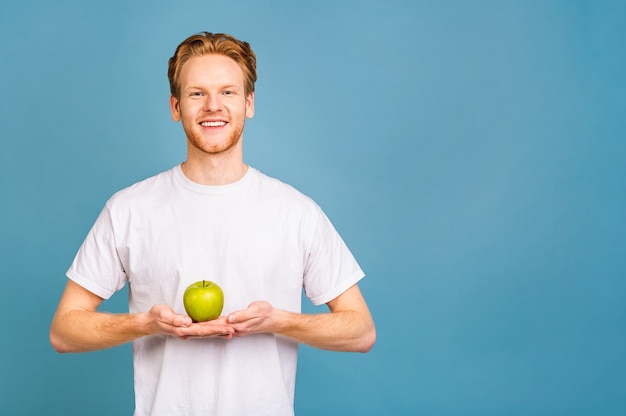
[(368, 340), (57, 343)]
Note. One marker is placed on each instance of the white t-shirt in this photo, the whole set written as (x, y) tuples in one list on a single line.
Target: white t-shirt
[(259, 239)]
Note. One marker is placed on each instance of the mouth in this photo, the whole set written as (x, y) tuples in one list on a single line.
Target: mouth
[(213, 123)]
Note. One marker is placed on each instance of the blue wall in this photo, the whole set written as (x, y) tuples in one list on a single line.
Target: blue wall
[(472, 154)]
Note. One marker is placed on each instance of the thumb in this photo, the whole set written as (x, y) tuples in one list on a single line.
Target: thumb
[(252, 311), (175, 319), (238, 316), (232, 318), (181, 320)]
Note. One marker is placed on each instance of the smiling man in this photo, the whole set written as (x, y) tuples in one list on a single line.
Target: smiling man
[(212, 104), (213, 217)]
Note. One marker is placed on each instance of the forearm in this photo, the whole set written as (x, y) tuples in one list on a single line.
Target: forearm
[(348, 327), (81, 330), (338, 331)]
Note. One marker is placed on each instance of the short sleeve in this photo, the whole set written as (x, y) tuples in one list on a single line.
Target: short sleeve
[(330, 267), (97, 266)]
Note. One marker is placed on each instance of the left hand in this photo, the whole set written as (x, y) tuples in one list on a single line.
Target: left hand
[(258, 317)]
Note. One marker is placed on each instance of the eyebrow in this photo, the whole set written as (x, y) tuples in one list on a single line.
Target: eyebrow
[(221, 87)]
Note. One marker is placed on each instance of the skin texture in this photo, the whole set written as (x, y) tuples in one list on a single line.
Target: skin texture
[(212, 90)]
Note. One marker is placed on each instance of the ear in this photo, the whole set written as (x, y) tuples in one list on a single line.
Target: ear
[(250, 105), (175, 108)]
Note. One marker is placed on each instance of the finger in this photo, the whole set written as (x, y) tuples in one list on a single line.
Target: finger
[(205, 329), (165, 317), (256, 309), (181, 321), (238, 316), (223, 336), (176, 320)]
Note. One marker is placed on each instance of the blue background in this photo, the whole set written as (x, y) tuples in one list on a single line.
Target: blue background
[(472, 155)]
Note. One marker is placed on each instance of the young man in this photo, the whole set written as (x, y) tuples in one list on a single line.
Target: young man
[(213, 217)]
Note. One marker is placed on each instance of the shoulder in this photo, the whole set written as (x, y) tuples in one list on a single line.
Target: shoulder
[(143, 191), (282, 192)]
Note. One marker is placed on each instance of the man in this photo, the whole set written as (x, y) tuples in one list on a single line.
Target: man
[(213, 217)]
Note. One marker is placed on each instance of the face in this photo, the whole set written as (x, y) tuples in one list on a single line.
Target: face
[(213, 106)]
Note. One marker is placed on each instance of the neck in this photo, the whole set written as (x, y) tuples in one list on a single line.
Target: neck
[(214, 172)]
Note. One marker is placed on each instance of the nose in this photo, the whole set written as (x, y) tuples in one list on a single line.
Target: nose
[(213, 103)]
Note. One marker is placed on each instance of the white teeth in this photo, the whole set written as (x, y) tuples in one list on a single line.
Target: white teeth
[(213, 123)]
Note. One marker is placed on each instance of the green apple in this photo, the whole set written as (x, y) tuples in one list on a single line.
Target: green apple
[(203, 300)]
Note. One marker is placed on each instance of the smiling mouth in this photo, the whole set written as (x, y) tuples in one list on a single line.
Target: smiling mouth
[(213, 123)]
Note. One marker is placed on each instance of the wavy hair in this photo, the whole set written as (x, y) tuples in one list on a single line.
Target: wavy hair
[(206, 43)]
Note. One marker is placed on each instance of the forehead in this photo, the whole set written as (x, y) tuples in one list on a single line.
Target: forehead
[(211, 70)]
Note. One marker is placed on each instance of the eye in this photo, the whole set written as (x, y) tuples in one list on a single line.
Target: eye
[(228, 92), (196, 94)]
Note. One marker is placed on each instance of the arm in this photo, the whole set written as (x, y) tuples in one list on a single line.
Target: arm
[(78, 327), (347, 327)]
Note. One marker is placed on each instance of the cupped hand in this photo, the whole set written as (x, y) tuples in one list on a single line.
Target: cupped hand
[(165, 320), (258, 317), (218, 328)]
